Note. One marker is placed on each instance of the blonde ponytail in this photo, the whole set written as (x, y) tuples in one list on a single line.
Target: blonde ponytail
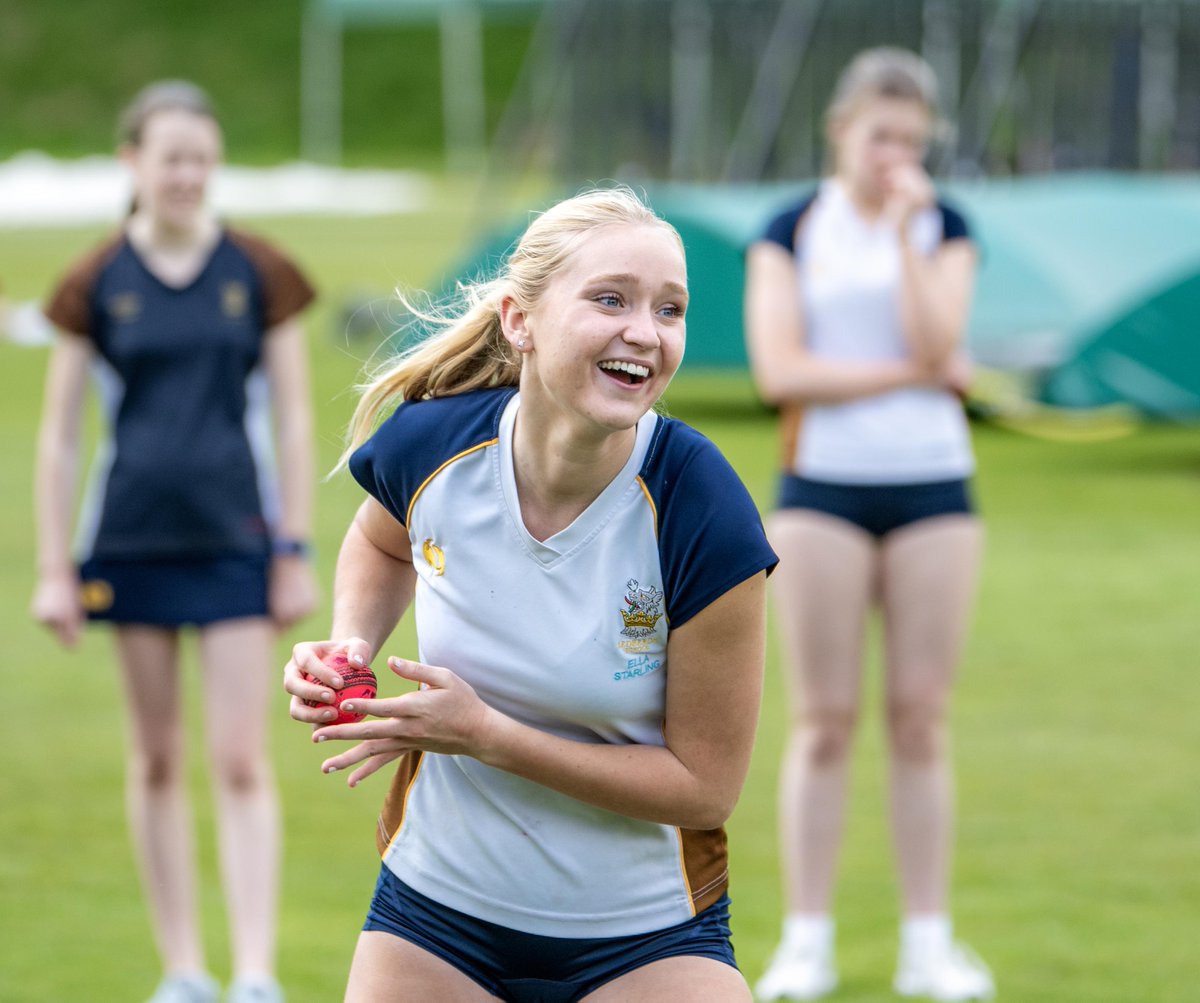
[(468, 353)]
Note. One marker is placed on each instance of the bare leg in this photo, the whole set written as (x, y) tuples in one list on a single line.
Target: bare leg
[(238, 678), (156, 794), (390, 968), (823, 588), (928, 588), (676, 980)]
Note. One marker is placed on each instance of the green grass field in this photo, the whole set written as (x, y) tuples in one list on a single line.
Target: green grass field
[(1076, 718)]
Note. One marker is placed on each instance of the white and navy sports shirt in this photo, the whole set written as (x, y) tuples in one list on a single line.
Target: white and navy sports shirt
[(568, 635), (848, 281), (185, 469)]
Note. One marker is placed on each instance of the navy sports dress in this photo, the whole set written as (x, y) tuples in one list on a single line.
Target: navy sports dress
[(176, 522)]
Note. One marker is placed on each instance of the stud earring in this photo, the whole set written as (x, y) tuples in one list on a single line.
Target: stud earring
[(521, 345)]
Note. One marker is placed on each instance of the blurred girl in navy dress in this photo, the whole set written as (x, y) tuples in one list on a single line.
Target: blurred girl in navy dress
[(191, 330)]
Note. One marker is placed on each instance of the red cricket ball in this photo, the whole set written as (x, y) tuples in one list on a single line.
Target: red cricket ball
[(358, 682)]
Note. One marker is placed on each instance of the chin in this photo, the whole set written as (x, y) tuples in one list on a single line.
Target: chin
[(619, 419), (182, 214)]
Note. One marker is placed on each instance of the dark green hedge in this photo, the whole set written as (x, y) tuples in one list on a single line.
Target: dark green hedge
[(68, 66)]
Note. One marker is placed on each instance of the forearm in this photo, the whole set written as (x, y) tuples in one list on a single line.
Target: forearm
[(371, 591), (297, 473), (932, 316), (54, 488), (639, 781), (784, 369), (807, 379), (287, 369), (713, 696), (58, 445)]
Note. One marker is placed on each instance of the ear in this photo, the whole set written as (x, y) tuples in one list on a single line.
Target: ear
[(514, 322)]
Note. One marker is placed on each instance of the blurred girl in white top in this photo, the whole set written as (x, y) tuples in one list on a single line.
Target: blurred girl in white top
[(857, 302)]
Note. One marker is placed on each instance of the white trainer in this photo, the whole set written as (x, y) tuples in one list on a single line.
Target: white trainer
[(263, 990), (952, 972), (798, 971), (198, 988)]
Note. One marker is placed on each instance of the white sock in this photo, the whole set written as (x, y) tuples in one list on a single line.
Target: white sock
[(806, 928), (925, 932)]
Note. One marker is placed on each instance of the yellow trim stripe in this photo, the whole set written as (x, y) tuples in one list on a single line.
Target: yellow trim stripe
[(404, 806), (654, 516), (679, 839), (458, 456), (650, 502), (683, 871)]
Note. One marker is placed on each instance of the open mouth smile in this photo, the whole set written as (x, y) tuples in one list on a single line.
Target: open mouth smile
[(629, 373)]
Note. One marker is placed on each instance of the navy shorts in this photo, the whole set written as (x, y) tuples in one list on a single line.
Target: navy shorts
[(174, 593), (877, 508), (530, 968)]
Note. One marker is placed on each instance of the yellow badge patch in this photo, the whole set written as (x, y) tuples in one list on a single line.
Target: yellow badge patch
[(435, 557), (124, 306), (235, 299), (96, 595)]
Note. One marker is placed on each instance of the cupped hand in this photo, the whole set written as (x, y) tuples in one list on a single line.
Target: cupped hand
[(907, 190), (445, 715), (55, 605), (307, 661), (957, 374), (292, 590)]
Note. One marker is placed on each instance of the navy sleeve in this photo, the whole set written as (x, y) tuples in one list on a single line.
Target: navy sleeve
[(420, 436), (782, 229), (954, 224), (710, 535), (379, 465)]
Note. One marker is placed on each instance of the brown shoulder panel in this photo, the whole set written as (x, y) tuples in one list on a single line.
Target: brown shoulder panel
[(286, 290), (70, 306), (705, 864)]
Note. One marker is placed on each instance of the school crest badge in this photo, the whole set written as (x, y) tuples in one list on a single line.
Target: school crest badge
[(235, 299), (124, 307), (643, 609)]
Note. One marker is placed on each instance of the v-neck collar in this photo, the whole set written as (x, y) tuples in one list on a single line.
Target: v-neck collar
[(158, 279), (593, 518), (835, 191)]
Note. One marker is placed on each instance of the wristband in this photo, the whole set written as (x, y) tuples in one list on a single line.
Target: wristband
[(283, 546)]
